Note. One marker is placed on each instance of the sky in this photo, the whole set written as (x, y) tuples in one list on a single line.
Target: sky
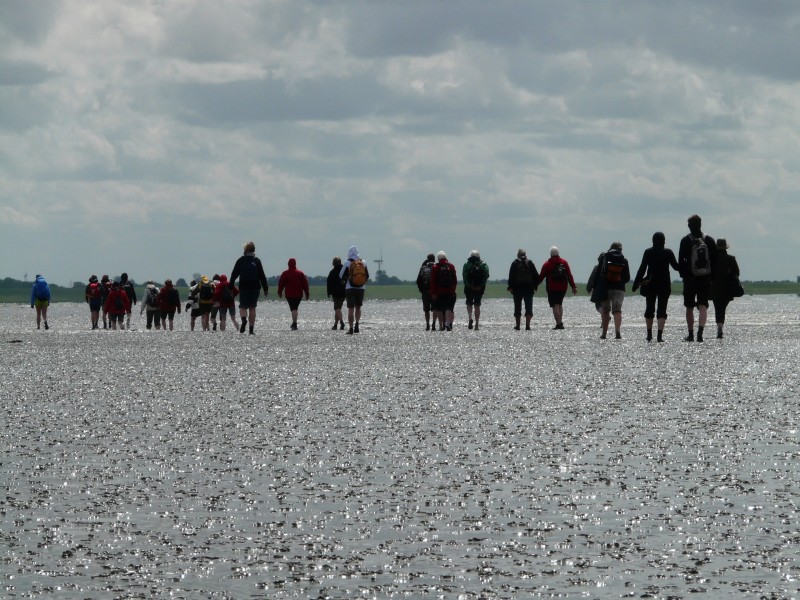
[(156, 137)]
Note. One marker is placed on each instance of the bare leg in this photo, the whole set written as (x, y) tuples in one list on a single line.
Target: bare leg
[(605, 319)]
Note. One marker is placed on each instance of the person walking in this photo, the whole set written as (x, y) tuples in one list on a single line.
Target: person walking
[(613, 269), (444, 281), (169, 302), (522, 283), (424, 287), (205, 301), (557, 277), (127, 287), (295, 283), (94, 298), (696, 257), (726, 269), (336, 291), (250, 272), (225, 297), (475, 274), (105, 286), (356, 274), (653, 278), (151, 305), (40, 300), (116, 306)]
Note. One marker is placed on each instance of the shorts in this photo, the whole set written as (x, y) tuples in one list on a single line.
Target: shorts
[(556, 298), (613, 303), (294, 303), (224, 312), (41, 303), (445, 301), (115, 317), (95, 304), (205, 309), (338, 302), (168, 314), (355, 297), (426, 301), (196, 312), (473, 297), (696, 291), (248, 298)]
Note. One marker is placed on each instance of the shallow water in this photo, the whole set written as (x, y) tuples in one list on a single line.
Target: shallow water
[(399, 463)]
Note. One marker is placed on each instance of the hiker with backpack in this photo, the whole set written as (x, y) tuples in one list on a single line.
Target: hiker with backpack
[(250, 272), (475, 274), (40, 300), (169, 302), (336, 291), (295, 284), (116, 306), (424, 287), (105, 286), (444, 281), (725, 285), (205, 301), (193, 304), (151, 305), (523, 279), (611, 276), (355, 274), (94, 298), (126, 286), (225, 297), (654, 280), (696, 257), (557, 277)]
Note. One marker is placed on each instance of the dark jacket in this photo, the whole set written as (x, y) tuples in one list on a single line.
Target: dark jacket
[(519, 285), (253, 273), (685, 252), (424, 283), (656, 262), (336, 284), (725, 269)]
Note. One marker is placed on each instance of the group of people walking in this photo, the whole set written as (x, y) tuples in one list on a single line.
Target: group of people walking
[(707, 270)]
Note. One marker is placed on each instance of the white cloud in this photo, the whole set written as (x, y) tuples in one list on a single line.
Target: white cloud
[(404, 126)]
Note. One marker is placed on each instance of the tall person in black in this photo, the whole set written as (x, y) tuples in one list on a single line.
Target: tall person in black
[(653, 277)]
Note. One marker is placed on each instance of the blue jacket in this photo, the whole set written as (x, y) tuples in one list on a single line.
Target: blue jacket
[(40, 290)]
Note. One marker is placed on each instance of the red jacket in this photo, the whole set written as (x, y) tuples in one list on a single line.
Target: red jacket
[(167, 300), (293, 281), (219, 288), (111, 302), (547, 273), (436, 287)]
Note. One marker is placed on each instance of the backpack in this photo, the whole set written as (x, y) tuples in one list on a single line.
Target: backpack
[(358, 273), (522, 273), (152, 297), (444, 276), (476, 275), (206, 292), (41, 291), (425, 275), (249, 275), (700, 262), (226, 294), (613, 267), (95, 291), (118, 303), (173, 297), (559, 272)]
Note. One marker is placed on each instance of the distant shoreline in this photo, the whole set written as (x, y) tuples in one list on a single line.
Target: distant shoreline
[(20, 292)]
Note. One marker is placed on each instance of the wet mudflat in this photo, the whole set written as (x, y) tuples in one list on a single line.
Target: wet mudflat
[(399, 463)]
